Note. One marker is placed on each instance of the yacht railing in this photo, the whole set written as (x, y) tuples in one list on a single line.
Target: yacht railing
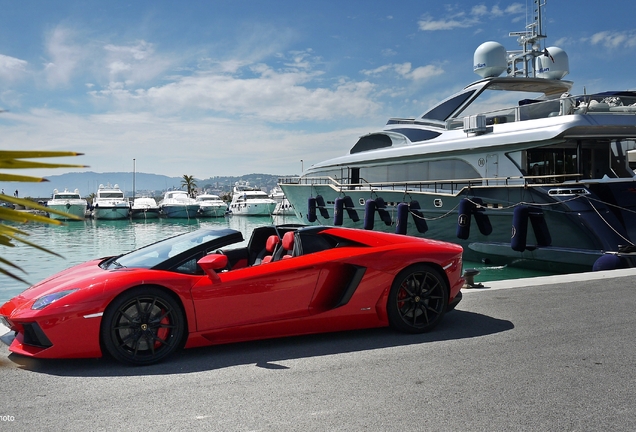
[(535, 109), (449, 187)]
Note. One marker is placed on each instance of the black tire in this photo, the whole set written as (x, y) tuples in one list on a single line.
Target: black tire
[(142, 326), (417, 300)]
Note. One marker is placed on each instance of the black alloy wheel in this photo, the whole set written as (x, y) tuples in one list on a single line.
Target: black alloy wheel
[(142, 326), (418, 299)]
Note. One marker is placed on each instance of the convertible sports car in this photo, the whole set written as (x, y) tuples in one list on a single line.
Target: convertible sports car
[(204, 288)]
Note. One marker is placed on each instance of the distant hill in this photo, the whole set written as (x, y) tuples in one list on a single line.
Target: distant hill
[(148, 184)]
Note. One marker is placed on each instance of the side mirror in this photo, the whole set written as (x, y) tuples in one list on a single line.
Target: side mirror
[(212, 263)]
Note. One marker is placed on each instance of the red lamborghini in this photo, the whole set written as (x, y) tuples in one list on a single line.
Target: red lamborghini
[(197, 289)]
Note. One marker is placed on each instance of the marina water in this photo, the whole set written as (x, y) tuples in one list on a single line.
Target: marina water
[(81, 241)]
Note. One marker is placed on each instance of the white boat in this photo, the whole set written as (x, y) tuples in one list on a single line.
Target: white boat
[(110, 204), (67, 202), (283, 206), (211, 205), (250, 201), (178, 204), (506, 151), (144, 208)]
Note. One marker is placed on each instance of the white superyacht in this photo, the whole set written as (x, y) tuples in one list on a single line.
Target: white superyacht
[(513, 167)]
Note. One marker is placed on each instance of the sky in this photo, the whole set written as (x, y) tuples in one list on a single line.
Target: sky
[(228, 88)]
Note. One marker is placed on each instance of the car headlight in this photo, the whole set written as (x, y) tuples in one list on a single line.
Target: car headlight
[(46, 300)]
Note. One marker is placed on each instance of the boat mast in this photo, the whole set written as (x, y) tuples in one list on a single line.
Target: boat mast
[(519, 61), (134, 173)]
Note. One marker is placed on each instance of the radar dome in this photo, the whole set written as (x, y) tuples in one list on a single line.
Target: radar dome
[(490, 60), (553, 64)]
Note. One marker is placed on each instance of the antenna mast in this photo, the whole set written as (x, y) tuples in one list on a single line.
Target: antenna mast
[(519, 61)]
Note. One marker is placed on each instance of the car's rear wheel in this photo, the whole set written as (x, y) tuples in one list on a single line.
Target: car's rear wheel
[(142, 326), (418, 299)]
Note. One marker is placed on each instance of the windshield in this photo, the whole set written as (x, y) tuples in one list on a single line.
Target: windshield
[(111, 195), (442, 111), (68, 196), (156, 253), (495, 99)]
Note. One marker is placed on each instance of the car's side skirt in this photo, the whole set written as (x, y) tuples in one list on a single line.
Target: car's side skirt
[(330, 321)]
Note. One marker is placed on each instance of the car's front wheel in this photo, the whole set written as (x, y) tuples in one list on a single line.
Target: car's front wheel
[(142, 326), (418, 299)]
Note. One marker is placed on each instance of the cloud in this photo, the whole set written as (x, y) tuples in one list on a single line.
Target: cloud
[(480, 10), (614, 39), (405, 70), (174, 146), (135, 63), (475, 17), (71, 54), (429, 24), (301, 60), (65, 56), (11, 68), (515, 9), (424, 72), (273, 96), (294, 92), (140, 51), (388, 52)]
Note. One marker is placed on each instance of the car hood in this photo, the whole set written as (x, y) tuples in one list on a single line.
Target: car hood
[(84, 277)]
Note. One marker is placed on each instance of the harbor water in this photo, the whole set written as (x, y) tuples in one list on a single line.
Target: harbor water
[(81, 241)]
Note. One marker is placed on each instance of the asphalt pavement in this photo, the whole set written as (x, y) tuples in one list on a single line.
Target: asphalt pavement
[(541, 354)]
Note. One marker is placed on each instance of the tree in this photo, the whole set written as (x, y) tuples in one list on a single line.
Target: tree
[(91, 197), (189, 183), (8, 233)]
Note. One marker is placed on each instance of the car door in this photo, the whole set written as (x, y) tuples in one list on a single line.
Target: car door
[(266, 292)]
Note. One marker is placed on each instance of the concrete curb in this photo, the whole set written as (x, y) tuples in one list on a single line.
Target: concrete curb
[(551, 280)]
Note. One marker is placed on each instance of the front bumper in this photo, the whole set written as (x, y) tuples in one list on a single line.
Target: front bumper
[(69, 337)]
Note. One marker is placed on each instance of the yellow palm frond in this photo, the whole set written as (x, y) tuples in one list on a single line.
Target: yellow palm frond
[(10, 159), (34, 154)]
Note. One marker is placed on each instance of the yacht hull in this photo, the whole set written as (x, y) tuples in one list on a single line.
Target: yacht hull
[(209, 211), (188, 211), (144, 213), (78, 210), (578, 223), (111, 213), (252, 209)]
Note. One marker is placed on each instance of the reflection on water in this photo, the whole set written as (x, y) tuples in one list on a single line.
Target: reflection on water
[(81, 241)]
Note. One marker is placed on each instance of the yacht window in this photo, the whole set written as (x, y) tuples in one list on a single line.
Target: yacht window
[(416, 135), (355, 175), (111, 195), (419, 171), (591, 159), (442, 111), (620, 161), (335, 174), (371, 142), (552, 161)]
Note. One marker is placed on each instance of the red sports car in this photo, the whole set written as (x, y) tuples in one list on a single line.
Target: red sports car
[(203, 288)]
